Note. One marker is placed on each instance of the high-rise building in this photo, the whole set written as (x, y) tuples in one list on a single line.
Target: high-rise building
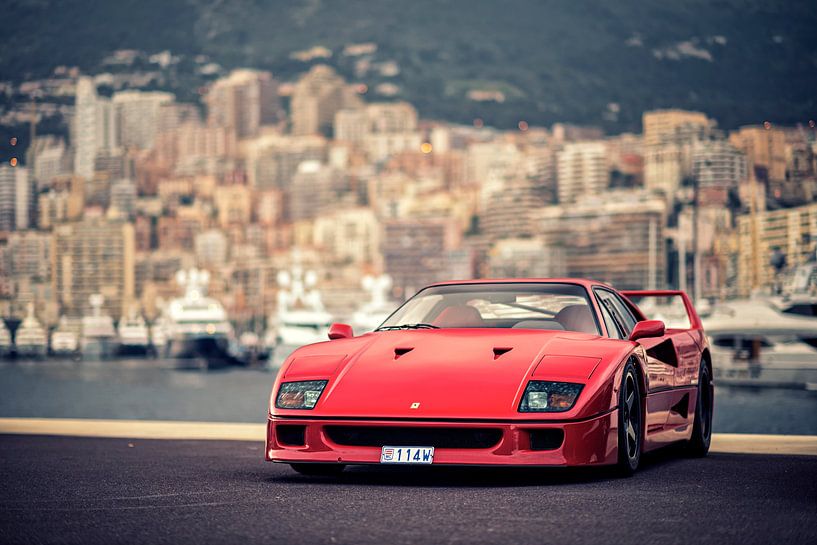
[(52, 160), (315, 188), (718, 164), (123, 198), (352, 126), (95, 255), (508, 210), (234, 205), (415, 252), (211, 248), (138, 116), (84, 133), (661, 125), (30, 254), (669, 137), (792, 231), (95, 127), (581, 169), (243, 102), (765, 149), (272, 160), (350, 235), (52, 208), (318, 96), (17, 198), (616, 237), (391, 117), (525, 258)]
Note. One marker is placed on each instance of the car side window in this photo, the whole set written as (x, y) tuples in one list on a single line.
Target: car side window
[(622, 319), (624, 313), (613, 329)]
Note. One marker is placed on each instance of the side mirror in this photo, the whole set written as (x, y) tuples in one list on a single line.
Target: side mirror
[(340, 331), (647, 329)]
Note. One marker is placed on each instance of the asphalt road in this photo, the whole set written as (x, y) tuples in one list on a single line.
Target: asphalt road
[(88, 490)]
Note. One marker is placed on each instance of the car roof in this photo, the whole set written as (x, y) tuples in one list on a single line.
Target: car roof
[(587, 283)]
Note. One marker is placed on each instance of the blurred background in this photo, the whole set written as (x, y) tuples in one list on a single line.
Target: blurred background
[(191, 189)]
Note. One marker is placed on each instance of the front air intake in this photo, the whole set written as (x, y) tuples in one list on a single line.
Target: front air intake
[(290, 435), (548, 439), (378, 436)]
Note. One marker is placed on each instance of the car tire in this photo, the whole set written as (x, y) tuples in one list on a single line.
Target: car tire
[(630, 422), (319, 470), (698, 444)]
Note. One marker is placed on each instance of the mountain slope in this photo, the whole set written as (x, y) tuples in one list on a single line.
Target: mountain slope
[(588, 61)]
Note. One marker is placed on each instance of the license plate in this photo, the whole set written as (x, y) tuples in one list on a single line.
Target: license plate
[(407, 455)]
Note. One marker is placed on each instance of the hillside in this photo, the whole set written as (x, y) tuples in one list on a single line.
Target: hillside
[(590, 61)]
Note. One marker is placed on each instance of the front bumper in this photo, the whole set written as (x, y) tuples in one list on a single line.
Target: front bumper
[(586, 442)]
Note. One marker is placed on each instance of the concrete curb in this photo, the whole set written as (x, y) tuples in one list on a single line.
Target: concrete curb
[(227, 431)]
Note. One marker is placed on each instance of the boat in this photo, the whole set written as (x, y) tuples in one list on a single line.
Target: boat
[(134, 334), (754, 343), (65, 339), (300, 317), (30, 340), (251, 348), (196, 325), (798, 292), (99, 339), (375, 311), (5, 340), (158, 335)]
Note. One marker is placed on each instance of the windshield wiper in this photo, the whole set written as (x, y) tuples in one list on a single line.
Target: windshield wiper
[(407, 326)]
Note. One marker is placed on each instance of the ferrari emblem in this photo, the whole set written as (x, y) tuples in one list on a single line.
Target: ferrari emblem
[(415, 405)]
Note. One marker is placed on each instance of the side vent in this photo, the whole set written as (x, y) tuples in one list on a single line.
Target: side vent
[(665, 352), (402, 351), (499, 351), (682, 407)]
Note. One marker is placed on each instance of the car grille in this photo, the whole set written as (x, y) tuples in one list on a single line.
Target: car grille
[(378, 436)]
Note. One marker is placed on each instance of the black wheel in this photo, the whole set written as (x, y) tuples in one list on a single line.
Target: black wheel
[(630, 420), (698, 444), (318, 470)]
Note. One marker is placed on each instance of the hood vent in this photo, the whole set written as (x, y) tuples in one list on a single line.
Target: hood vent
[(499, 351), (402, 351)]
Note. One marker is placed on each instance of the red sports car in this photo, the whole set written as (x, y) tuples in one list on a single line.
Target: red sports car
[(525, 372)]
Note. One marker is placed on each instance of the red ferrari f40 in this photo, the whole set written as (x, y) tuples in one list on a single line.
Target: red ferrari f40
[(517, 372)]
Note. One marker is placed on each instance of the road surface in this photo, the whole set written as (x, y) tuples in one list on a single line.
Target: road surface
[(120, 490)]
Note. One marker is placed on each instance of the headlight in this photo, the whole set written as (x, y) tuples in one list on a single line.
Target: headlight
[(299, 395), (549, 397)]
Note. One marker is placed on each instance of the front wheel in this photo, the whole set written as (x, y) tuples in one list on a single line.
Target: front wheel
[(319, 470), (698, 444), (630, 419)]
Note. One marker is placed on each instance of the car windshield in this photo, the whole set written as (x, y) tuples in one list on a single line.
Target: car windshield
[(549, 306)]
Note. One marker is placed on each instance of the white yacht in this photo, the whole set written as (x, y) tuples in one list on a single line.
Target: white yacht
[(753, 342), (30, 339), (158, 335), (300, 318), (99, 339), (197, 325), (65, 339), (379, 307), (134, 335), (5, 340)]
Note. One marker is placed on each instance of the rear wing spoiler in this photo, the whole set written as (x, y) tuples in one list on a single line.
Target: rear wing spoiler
[(692, 315)]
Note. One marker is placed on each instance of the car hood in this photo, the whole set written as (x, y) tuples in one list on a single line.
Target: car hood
[(449, 373)]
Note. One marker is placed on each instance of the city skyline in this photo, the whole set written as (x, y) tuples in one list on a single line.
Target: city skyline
[(365, 186)]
